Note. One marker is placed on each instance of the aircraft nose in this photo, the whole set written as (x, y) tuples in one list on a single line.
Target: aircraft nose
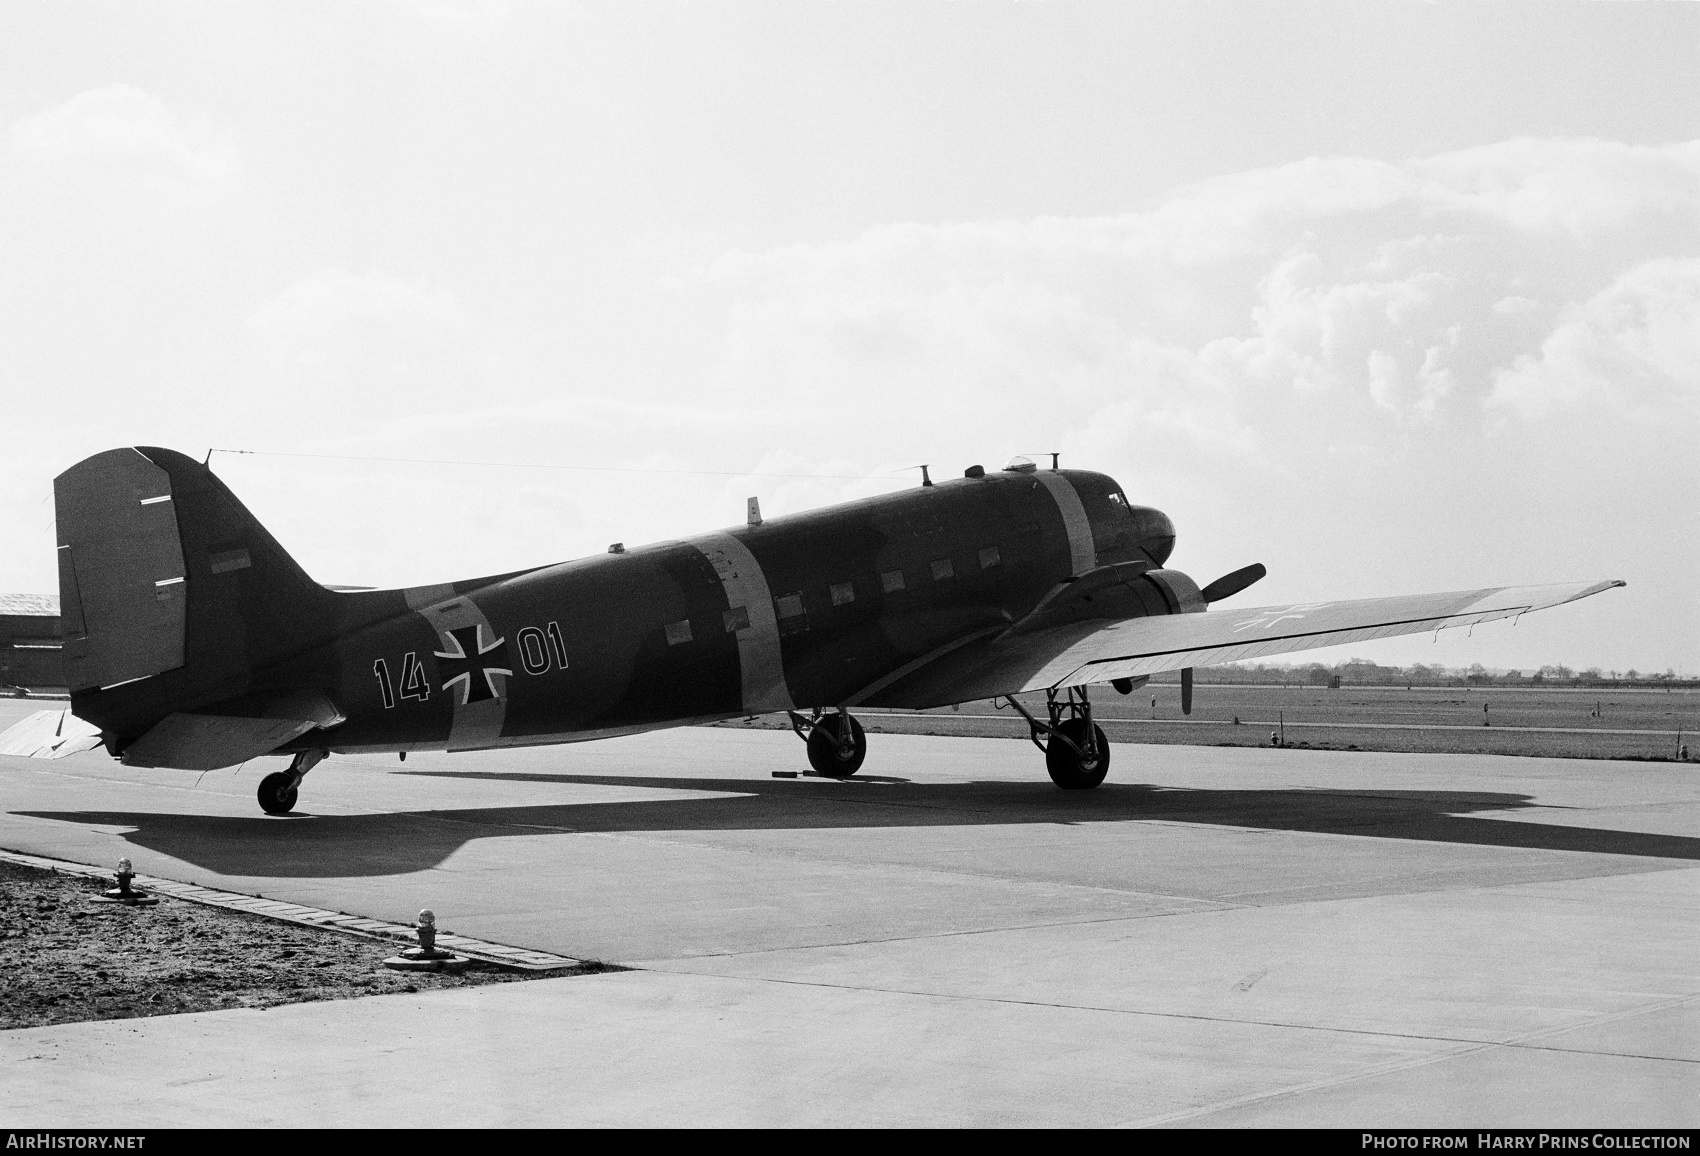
[(1155, 532)]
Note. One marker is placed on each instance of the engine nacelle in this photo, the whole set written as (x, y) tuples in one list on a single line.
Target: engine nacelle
[(1180, 591)]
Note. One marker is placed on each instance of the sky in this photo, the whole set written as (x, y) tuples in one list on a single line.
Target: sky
[(1390, 297)]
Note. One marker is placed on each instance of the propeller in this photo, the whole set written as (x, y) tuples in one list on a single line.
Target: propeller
[(1226, 586), (1229, 585)]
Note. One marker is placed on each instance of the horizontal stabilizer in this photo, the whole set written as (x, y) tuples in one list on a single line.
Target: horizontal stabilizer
[(49, 734), (206, 742)]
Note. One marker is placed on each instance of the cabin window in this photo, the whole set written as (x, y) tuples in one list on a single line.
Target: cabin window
[(989, 557), (737, 618), (843, 592), (891, 580), (942, 569), (678, 632), (790, 610)]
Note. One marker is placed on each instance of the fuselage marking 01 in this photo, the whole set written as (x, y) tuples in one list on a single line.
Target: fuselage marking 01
[(541, 650)]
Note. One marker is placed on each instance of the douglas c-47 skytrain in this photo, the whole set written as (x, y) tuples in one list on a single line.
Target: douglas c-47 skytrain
[(192, 640)]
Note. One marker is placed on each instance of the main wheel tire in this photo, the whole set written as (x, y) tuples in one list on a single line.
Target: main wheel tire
[(824, 755), (1069, 770), (277, 793)]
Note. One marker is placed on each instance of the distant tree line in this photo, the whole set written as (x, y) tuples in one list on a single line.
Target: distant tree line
[(1363, 672)]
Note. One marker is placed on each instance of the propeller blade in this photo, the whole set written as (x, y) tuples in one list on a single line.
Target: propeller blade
[(1186, 690), (1229, 585)]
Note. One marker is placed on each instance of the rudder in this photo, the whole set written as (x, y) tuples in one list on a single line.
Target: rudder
[(122, 593)]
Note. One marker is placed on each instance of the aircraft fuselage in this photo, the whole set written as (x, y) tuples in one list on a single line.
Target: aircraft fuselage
[(826, 608)]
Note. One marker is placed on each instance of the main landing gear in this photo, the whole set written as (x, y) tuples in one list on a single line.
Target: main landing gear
[(278, 790), (837, 745), (1076, 753)]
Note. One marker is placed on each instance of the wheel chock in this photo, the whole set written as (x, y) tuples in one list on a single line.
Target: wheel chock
[(124, 893), (427, 956)]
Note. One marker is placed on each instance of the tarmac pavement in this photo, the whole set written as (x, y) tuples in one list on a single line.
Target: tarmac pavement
[(1218, 936)]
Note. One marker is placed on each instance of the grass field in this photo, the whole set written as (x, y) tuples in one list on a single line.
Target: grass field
[(1619, 724)]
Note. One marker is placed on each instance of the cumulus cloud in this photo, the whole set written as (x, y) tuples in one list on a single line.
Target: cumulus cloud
[(1632, 348), (1401, 352), (1341, 298), (118, 121)]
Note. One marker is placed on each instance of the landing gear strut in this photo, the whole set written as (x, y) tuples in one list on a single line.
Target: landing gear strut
[(278, 790), (1076, 753), (837, 745)]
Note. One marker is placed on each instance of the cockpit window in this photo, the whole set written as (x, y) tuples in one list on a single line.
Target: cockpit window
[(1119, 500)]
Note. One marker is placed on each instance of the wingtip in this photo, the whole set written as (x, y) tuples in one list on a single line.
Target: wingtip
[(1600, 587)]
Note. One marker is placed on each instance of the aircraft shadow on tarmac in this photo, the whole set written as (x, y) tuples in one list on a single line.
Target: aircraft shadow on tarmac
[(331, 846)]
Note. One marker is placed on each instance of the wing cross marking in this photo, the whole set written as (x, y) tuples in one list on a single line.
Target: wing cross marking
[(1264, 619)]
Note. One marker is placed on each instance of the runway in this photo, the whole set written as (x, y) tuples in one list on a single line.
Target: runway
[(1218, 936)]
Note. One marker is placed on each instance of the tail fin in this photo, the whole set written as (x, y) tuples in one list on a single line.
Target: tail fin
[(171, 594)]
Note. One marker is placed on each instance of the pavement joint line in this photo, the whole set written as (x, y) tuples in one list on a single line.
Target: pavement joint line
[(1233, 902), (1517, 1042), (508, 956), (1370, 1073), (652, 963), (1464, 1045)]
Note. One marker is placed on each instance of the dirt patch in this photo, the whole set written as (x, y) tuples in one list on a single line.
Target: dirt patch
[(65, 957)]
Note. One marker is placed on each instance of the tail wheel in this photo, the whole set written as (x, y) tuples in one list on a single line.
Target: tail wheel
[(277, 793), (828, 755), (1071, 770)]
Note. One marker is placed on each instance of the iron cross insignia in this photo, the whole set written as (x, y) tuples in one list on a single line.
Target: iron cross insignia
[(469, 654)]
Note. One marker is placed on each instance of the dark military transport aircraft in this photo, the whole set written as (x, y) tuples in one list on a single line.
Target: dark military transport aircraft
[(192, 640)]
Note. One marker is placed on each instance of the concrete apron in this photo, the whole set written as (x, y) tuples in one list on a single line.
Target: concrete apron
[(1218, 936)]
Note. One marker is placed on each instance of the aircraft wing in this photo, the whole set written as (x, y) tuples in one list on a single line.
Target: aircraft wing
[(49, 734), (1081, 653)]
